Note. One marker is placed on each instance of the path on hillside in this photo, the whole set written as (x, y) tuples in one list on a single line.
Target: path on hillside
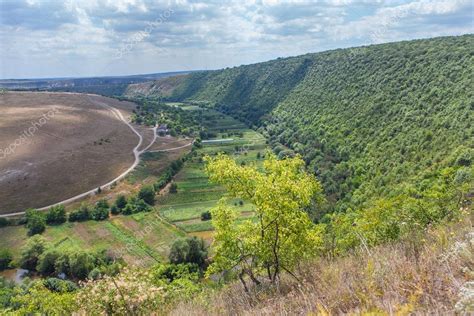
[(137, 153), (171, 149)]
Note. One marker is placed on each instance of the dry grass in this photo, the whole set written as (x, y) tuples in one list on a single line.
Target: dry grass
[(414, 276), (80, 147)]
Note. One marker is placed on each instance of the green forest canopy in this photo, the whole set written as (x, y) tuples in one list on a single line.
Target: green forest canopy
[(370, 121)]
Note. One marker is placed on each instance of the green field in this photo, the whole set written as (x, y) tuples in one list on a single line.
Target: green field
[(140, 238), (195, 193)]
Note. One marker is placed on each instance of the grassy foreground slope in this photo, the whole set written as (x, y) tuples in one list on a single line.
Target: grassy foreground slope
[(369, 121)]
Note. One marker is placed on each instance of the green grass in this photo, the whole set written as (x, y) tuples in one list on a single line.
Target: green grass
[(141, 237)]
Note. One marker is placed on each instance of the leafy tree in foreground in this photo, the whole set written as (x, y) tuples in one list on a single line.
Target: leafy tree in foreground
[(282, 234)]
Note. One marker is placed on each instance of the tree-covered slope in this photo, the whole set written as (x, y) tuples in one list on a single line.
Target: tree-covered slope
[(369, 121)]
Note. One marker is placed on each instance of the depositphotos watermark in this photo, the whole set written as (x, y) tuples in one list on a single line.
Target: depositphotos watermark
[(28, 133)]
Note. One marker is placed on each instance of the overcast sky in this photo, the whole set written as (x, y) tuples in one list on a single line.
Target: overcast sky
[(67, 38)]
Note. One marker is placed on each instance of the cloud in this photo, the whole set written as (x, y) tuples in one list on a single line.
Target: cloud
[(82, 37)]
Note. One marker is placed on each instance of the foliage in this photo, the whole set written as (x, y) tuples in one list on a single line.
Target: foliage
[(60, 286), (189, 250), (32, 251), (38, 300), (131, 292), (47, 262), (136, 205), (35, 222), (147, 194), (100, 211), (121, 202), (81, 214), (56, 215), (206, 216), (4, 222), (282, 235), (367, 121), (173, 188), (5, 259)]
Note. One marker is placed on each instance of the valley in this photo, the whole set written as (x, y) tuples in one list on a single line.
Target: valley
[(338, 182)]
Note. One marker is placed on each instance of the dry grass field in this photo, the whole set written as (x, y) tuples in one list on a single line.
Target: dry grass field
[(54, 146)]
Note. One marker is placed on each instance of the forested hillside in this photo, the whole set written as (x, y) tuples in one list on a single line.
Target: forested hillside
[(369, 121)]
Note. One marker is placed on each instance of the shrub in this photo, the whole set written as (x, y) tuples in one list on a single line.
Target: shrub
[(60, 286), (136, 205), (81, 214), (35, 222), (115, 210), (56, 215), (173, 188), (31, 252), (121, 202), (81, 264), (47, 262), (147, 194), (100, 211), (189, 250), (206, 216), (4, 222), (5, 259)]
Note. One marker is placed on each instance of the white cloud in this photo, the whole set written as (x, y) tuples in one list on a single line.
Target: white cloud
[(41, 37)]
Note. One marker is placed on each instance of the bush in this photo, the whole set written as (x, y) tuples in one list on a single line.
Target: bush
[(189, 250), (100, 211), (81, 264), (121, 202), (4, 222), (47, 262), (147, 194), (206, 216), (173, 188), (56, 215), (81, 214), (31, 252), (135, 205), (5, 259), (60, 286), (35, 222), (115, 210)]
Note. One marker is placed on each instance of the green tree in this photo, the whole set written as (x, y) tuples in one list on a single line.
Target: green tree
[(81, 214), (5, 259), (173, 188), (35, 222), (206, 216), (189, 250), (100, 211), (147, 194), (81, 264), (31, 252), (121, 202), (282, 234), (47, 262), (56, 215)]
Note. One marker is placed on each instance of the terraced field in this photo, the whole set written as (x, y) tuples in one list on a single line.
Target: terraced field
[(195, 193)]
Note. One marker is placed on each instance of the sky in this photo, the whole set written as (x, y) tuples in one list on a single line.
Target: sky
[(80, 38)]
